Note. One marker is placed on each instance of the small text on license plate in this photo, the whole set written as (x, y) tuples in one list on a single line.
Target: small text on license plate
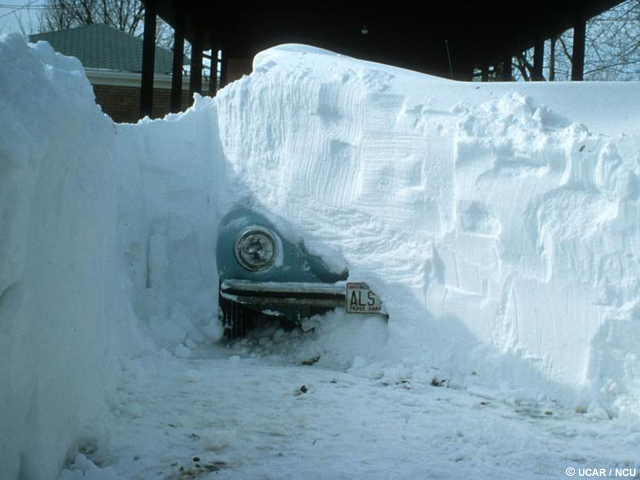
[(360, 299)]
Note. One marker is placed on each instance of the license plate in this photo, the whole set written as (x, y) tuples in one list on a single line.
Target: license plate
[(360, 299)]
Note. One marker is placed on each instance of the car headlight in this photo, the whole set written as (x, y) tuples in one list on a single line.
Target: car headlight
[(256, 248)]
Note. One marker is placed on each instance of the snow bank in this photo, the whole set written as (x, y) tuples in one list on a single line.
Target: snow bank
[(172, 190), (103, 228), (499, 222), (62, 311)]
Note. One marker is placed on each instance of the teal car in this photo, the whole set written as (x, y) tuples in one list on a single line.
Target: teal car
[(261, 271)]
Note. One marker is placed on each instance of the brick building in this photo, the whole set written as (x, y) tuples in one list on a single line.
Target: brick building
[(113, 62)]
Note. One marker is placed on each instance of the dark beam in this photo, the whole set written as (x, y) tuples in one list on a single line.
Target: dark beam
[(178, 59), (577, 58), (195, 83), (507, 69), (485, 73), (148, 58), (394, 37), (538, 60), (552, 59), (213, 73), (223, 68)]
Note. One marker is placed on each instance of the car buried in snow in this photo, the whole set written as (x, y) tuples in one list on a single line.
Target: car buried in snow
[(263, 272)]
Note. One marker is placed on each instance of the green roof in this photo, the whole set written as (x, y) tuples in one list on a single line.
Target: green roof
[(102, 46)]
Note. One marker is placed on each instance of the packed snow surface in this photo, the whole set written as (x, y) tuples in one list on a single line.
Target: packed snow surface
[(497, 222), (236, 415)]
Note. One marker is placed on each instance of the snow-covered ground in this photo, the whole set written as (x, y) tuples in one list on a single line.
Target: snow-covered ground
[(499, 223), (257, 409)]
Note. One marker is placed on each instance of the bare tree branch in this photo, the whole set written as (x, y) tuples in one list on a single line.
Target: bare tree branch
[(124, 15)]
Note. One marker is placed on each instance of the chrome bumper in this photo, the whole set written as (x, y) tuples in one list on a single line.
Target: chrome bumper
[(330, 295)]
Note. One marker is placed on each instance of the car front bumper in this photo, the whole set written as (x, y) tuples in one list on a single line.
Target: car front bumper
[(267, 294)]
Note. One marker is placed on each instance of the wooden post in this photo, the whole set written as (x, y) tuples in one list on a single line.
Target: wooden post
[(178, 59), (577, 59), (552, 59), (213, 74), (148, 58), (507, 69), (195, 83), (538, 60), (485, 73), (223, 67)]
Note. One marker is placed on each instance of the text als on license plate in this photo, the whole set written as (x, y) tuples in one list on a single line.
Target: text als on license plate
[(360, 299)]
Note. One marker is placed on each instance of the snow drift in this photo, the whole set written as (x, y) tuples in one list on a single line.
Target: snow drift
[(63, 313), (498, 222)]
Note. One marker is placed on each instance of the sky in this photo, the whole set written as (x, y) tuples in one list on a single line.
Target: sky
[(19, 16)]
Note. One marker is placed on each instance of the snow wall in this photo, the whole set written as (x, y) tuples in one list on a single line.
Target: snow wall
[(498, 222), (63, 310)]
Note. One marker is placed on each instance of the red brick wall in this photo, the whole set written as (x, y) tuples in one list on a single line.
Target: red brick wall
[(122, 104)]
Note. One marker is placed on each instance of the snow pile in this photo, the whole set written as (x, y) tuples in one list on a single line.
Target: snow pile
[(63, 316), (335, 341), (84, 468), (501, 234), (171, 192)]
